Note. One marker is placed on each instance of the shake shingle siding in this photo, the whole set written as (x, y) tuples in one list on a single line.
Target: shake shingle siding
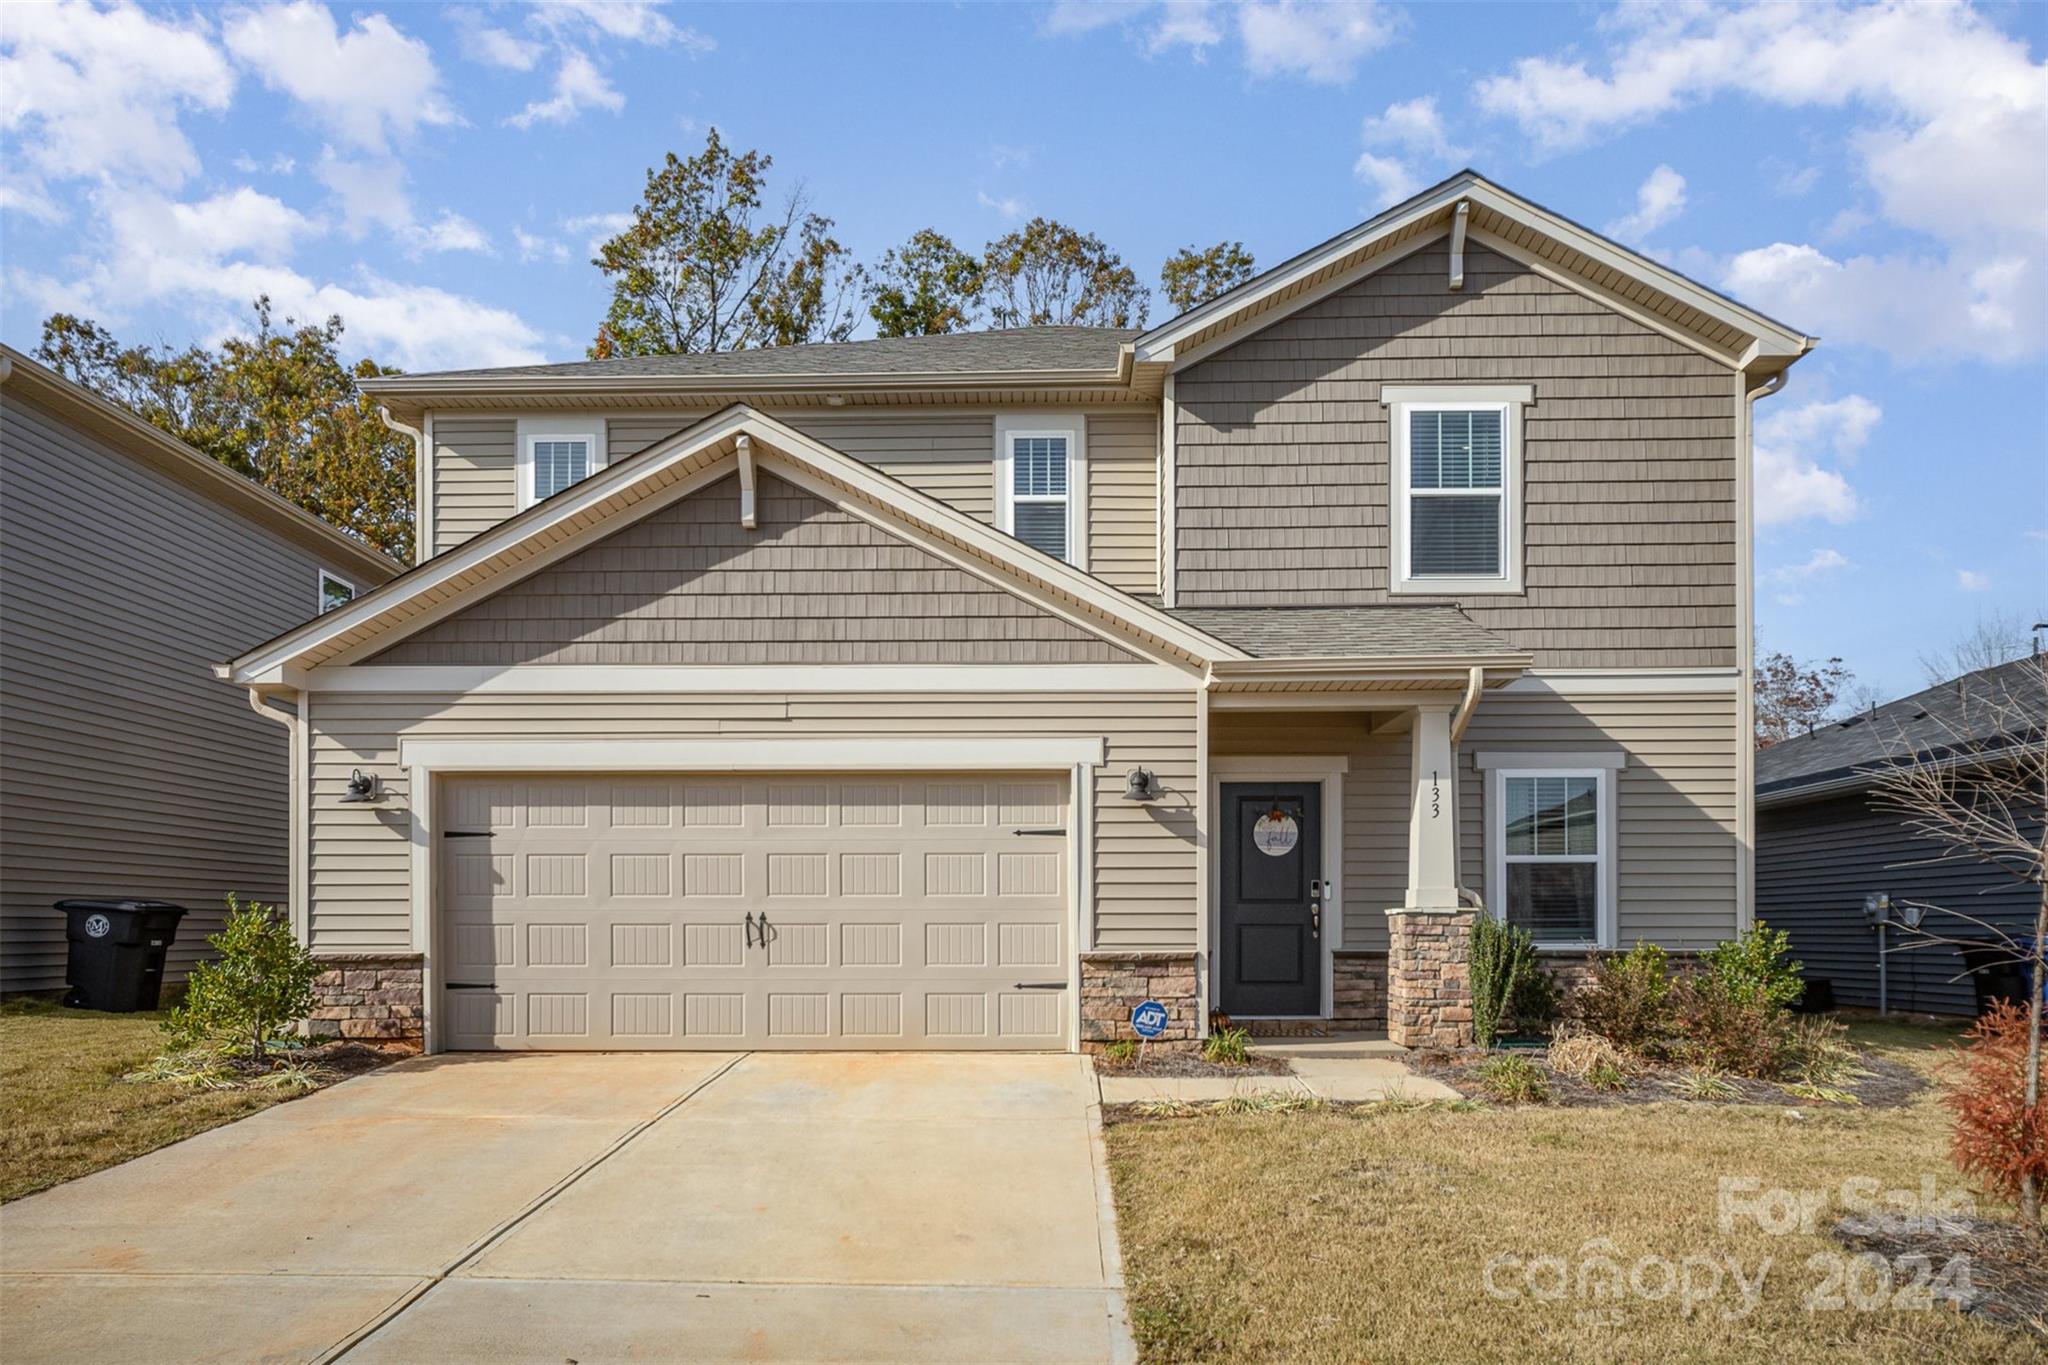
[(1630, 501), (1817, 860), (811, 584)]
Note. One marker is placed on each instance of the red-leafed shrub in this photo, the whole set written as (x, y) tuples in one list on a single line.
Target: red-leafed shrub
[(1998, 1139)]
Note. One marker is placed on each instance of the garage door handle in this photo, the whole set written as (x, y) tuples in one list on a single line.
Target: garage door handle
[(470, 985), (1039, 986), (1052, 829), (750, 929)]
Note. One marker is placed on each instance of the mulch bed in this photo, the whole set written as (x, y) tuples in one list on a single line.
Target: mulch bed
[(2007, 1267), (340, 1058), (1185, 1062), (1887, 1085)]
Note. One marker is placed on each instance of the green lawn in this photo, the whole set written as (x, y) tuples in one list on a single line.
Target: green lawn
[(65, 1112), (1366, 1234)]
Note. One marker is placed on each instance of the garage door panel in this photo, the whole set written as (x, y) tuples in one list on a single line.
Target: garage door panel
[(892, 911)]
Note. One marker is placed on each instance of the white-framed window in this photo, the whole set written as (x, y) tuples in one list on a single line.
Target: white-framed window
[(1041, 484), (555, 453), (335, 591), (1456, 498), (1550, 837)]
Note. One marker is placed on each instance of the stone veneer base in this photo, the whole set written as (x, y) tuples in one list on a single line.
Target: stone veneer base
[(1359, 985), (368, 995), (1429, 978), (1115, 983)]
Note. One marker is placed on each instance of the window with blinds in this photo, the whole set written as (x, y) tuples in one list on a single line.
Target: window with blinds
[(1456, 492), (1038, 492), (557, 463), (1550, 839)]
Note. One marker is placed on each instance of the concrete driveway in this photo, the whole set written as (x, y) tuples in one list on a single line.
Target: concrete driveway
[(791, 1206)]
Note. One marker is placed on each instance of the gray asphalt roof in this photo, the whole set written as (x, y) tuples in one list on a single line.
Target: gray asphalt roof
[(1958, 715), (1006, 349), (1305, 632)]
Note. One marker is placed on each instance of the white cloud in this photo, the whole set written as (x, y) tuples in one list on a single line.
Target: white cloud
[(535, 247), (1912, 307), (496, 47), (1085, 16), (1388, 177), (277, 165), (1954, 145), (579, 85), (89, 93), (1792, 484), (1185, 23), (632, 21), (1009, 206), (600, 227), (370, 192), (1969, 580), (367, 87), (1320, 42), (1414, 128), (1819, 563), (1659, 199), (452, 232)]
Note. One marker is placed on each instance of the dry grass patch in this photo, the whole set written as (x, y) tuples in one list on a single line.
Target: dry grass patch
[(65, 1110), (1344, 1235)]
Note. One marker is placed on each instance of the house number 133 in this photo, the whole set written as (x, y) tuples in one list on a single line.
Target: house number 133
[(1436, 798)]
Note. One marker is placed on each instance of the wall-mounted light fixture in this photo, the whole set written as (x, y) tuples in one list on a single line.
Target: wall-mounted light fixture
[(363, 786), (1140, 785)]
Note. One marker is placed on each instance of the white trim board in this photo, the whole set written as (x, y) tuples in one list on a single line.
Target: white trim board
[(1070, 426), (1604, 682), (1048, 753), (1326, 769), (589, 428), (1607, 918), (595, 679)]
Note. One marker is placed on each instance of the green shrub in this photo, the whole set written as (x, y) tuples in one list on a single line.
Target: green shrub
[(1628, 1001), (1706, 1085), (1507, 984), (1122, 1052), (1728, 1026), (262, 981), (1758, 962), (1607, 1076), (1227, 1046), (1513, 1079)]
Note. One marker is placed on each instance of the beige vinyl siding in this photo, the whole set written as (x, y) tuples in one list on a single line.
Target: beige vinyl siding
[(1629, 482), (360, 866), (1123, 500), (129, 770), (475, 484), (946, 455), (811, 584), (1675, 800)]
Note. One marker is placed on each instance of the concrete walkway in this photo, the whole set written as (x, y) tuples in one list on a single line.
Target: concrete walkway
[(797, 1206), (1345, 1068)]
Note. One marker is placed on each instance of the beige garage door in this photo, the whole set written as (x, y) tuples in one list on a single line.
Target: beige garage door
[(885, 911)]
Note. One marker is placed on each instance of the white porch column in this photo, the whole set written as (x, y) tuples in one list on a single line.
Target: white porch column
[(1432, 813)]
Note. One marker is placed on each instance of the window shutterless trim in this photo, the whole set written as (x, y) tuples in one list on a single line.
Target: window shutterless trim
[(1403, 399), (330, 576), (1069, 427), (1606, 927), (534, 429)]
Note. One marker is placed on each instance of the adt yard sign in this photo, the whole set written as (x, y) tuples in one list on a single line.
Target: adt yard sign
[(1149, 1019)]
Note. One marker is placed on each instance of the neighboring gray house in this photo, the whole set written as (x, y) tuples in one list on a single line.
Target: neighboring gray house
[(1824, 843), (962, 691), (129, 564)]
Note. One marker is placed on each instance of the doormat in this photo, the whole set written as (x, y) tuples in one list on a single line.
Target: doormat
[(1284, 1028)]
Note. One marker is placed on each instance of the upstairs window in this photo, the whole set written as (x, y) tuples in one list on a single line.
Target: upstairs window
[(554, 455), (335, 591), (1041, 483), (1456, 477)]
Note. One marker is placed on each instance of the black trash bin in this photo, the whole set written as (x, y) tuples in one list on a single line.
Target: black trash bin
[(117, 952), (1995, 973)]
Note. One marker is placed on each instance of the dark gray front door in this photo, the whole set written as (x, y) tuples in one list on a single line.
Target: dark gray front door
[(1270, 961)]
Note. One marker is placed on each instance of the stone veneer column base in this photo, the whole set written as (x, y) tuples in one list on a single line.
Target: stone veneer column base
[(1429, 978), (1115, 983), (370, 996), (1359, 983)]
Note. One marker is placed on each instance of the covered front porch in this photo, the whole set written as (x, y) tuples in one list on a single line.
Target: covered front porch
[(1341, 840)]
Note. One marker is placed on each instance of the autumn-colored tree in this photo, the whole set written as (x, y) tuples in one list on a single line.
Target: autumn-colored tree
[(1047, 272), (925, 287), (705, 266), (1793, 697), (279, 405), (1194, 275)]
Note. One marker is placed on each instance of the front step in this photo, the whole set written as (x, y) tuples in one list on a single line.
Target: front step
[(1347, 1046)]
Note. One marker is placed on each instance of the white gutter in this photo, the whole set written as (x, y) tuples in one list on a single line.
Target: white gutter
[(1745, 641), (423, 485)]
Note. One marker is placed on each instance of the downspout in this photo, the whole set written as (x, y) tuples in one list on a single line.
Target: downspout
[(1745, 739), (295, 807), (422, 478), (1475, 688)]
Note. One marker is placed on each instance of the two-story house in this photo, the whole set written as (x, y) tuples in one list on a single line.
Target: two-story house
[(963, 691)]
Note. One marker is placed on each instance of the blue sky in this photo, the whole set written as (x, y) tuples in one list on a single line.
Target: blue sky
[(1877, 175)]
